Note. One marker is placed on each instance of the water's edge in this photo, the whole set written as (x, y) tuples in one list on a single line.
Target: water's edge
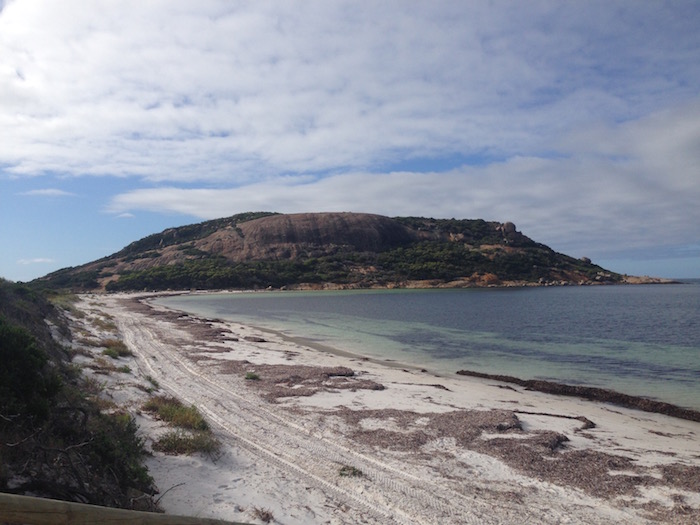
[(593, 394)]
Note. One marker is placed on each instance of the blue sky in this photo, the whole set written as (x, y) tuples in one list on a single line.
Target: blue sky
[(577, 121)]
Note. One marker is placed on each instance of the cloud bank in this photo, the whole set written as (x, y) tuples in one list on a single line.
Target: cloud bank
[(579, 122)]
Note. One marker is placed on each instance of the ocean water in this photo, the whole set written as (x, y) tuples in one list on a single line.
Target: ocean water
[(641, 340)]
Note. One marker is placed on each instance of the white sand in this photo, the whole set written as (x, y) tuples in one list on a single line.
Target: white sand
[(286, 456)]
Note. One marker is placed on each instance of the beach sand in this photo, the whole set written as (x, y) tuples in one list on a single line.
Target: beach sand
[(324, 436)]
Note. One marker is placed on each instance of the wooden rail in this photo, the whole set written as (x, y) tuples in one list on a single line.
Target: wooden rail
[(39, 511)]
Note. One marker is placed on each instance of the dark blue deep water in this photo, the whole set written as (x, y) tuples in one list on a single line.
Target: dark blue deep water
[(642, 340)]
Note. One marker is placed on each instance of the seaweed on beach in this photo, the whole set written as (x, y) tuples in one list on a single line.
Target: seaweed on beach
[(682, 476), (279, 381), (597, 473), (464, 426), (593, 394), (543, 455)]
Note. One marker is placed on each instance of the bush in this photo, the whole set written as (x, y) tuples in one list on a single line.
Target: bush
[(179, 442), (27, 385), (348, 471), (63, 447), (115, 348), (174, 412), (118, 447)]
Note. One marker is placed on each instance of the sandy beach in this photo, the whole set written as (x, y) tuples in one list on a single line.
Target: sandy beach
[(324, 436)]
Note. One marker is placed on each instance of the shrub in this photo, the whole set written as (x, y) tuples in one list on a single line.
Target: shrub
[(27, 384), (116, 444), (105, 324), (153, 382), (174, 412), (115, 348), (348, 471), (264, 515), (252, 376), (62, 445), (179, 442)]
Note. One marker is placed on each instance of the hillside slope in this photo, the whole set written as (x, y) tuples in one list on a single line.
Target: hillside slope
[(58, 440), (311, 250)]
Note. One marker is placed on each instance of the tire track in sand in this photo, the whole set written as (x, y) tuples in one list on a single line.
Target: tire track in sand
[(393, 496)]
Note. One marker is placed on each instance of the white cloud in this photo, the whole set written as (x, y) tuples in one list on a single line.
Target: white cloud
[(37, 260), (578, 204), (222, 91), (48, 192), (578, 121)]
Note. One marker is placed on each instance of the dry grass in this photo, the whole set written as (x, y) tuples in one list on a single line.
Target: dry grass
[(181, 442), (102, 366), (88, 340), (104, 323), (153, 382), (193, 433), (264, 515), (174, 412), (91, 386), (115, 348), (66, 301)]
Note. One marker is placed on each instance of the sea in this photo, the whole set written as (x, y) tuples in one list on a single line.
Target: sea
[(641, 340)]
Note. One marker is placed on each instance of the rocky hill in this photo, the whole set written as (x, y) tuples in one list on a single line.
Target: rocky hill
[(322, 250)]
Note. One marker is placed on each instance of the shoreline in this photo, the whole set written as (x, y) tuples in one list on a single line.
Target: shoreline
[(594, 394), (583, 392), (425, 448), (590, 392)]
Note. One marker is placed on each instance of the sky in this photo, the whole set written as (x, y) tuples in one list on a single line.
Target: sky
[(577, 121)]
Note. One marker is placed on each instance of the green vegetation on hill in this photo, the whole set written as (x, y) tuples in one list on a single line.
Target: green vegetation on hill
[(70, 279), (218, 272), (474, 231), (277, 253), (28, 387), (428, 260), (56, 441), (184, 234)]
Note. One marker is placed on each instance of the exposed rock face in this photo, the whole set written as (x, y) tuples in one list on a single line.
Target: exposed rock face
[(508, 227), (260, 250), (285, 236)]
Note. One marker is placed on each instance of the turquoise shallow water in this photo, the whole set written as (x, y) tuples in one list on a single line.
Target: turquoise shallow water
[(640, 340)]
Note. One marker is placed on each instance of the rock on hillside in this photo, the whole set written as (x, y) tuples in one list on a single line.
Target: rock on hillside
[(259, 250), (292, 236)]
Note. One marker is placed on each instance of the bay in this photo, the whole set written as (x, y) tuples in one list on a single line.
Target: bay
[(641, 340)]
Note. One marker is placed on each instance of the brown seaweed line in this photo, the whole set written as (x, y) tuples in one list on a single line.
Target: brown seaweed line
[(593, 394)]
